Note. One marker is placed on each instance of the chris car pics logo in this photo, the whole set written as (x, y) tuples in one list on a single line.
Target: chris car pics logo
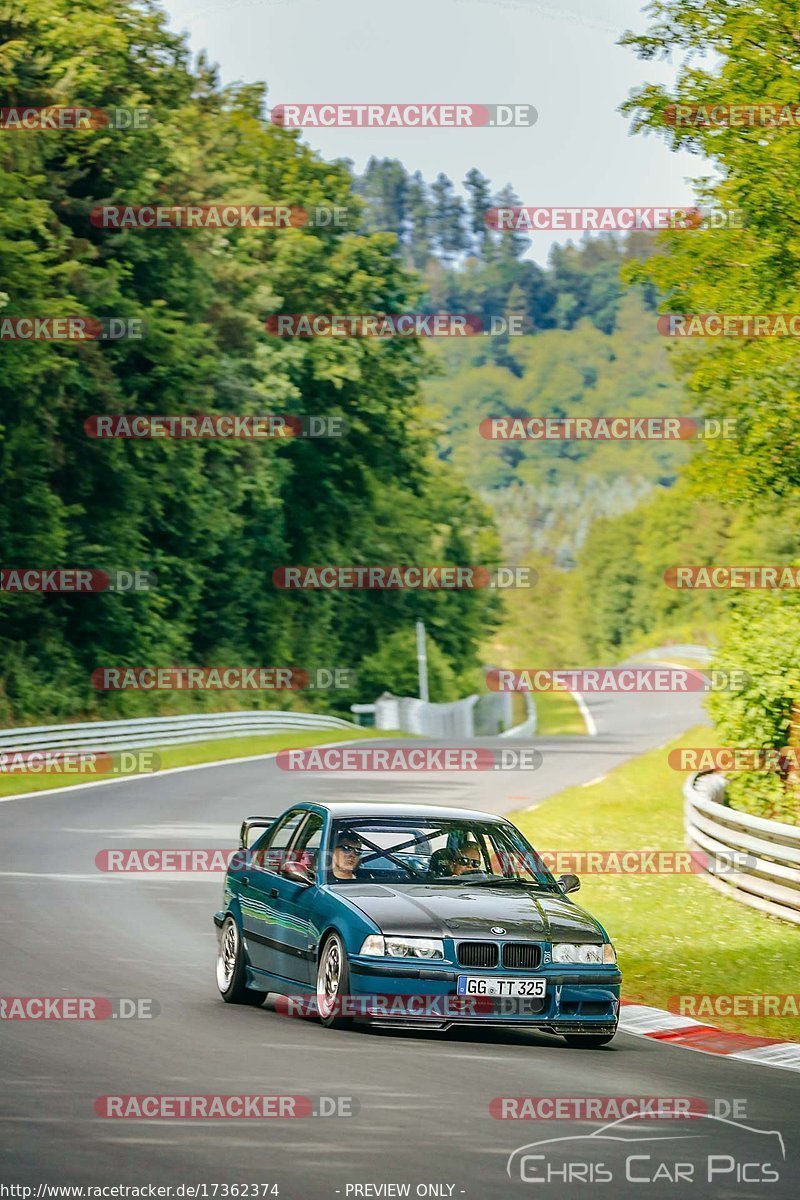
[(713, 1149)]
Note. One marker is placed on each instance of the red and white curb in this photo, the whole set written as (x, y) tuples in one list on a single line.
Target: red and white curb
[(675, 1030)]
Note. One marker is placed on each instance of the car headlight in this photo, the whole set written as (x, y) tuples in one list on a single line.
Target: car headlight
[(569, 952), (382, 946)]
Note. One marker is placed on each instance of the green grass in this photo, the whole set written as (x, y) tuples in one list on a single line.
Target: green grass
[(558, 714), (675, 934), (192, 752)]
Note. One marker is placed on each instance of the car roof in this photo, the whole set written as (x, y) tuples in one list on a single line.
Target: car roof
[(350, 809)]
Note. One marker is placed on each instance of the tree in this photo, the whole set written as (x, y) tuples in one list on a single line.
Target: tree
[(479, 195), (449, 229), (510, 244), (734, 52), (212, 519), (418, 237)]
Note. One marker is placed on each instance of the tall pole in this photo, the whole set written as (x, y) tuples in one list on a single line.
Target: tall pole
[(422, 662)]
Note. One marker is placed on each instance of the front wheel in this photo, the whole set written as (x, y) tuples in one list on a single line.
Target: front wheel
[(588, 1041), (333, 983), (232, 970)]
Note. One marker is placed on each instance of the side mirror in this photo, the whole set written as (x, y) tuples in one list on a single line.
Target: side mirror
[(568, 883), (298, 874)]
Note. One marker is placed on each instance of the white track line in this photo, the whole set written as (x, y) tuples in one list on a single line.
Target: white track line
[(591, 728)]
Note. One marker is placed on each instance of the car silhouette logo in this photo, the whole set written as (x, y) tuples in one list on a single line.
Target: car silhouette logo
[(497, 929), (615, 1131)]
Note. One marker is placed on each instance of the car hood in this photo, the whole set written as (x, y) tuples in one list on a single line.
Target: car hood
[(436, 910)]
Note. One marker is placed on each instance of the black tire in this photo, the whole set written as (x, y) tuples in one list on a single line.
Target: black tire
[(333, 983), (231, 968), (588, 1041)]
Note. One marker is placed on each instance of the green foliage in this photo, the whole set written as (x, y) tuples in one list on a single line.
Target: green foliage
[(734, 52), (546, 494), (212, 519), (750, 53), (674, 934), (393, 668), (763, 639), (470, 267), (615, 601)]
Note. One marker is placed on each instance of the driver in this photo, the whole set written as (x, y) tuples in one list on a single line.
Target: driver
[(457, 860), (466, 859), (346, 855)]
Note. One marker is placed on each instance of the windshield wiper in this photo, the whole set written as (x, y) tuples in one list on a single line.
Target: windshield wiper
[(494, 880)]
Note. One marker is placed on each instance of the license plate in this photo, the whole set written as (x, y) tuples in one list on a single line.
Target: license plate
[(484, 985)]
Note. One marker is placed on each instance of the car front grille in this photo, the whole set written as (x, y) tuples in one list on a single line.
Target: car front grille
[(477, 954), (521, 956)]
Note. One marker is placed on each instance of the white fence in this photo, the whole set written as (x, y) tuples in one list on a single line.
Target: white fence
[(162, 731), (476, 716), (755, 860), (411, 715)]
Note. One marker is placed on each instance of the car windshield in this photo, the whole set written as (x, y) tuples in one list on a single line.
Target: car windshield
[(453, 852)]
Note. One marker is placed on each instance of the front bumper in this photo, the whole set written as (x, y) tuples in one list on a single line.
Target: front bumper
[(577, 1000)]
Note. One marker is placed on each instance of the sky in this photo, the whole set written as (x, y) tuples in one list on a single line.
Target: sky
[(558, 55)]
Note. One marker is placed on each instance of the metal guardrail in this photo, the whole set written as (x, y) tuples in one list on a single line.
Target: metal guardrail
[(162, 731), (685, 650), (752, 859)]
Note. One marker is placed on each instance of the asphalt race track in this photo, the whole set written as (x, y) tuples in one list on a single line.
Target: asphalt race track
[(423, 1099)]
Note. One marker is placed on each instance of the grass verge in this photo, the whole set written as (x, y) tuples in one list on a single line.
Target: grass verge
[(558, 714), (185, 755), (675, 935)]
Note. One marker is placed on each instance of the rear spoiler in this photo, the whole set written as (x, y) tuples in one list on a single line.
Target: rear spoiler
[(253, 823)]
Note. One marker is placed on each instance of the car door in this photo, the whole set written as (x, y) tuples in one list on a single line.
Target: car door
[(260, 895), (295, 903)]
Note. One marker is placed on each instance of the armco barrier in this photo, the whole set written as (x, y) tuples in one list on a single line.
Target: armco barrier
[(770, 880), (162, 731)]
